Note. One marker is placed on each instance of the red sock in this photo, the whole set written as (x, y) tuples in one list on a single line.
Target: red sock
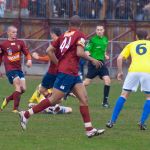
[(86, 117), (39, 107), (16, 97), (9, 98)]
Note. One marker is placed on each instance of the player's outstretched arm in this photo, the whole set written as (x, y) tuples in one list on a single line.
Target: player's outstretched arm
[(51, 53)]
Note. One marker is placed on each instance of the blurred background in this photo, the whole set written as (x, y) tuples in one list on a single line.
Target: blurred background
[(34, 18)]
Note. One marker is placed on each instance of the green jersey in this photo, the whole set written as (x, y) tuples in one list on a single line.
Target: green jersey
[(97, 47)]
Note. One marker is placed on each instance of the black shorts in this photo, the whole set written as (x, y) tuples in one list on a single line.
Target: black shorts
[(93, 71)]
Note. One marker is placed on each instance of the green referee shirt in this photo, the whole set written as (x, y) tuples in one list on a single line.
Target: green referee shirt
[(97, 47)]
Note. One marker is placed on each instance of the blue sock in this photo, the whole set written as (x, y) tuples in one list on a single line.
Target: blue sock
[(146, 112), (118, 107)]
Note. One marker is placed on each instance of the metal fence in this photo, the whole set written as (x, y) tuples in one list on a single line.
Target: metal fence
[(86, 9), (39, 67)]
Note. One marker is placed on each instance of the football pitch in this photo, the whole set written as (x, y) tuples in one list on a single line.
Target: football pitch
[(66, 132)]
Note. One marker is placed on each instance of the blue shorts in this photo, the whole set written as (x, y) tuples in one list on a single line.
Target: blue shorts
[(48, 80), (66, 82), (93, 71), (11, 75)]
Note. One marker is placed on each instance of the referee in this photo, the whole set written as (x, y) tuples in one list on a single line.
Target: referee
[(96, 48)]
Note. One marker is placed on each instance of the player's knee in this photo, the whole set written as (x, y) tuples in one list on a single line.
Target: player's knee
[(84, 100), (107, 81), (86, 82)]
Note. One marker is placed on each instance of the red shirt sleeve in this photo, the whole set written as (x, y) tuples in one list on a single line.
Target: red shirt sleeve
[(44, 58), (25, 50), (81, 40), (56, 43)]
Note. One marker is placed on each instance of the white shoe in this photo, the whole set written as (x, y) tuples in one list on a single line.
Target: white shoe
[(23, 120), (94, 132)]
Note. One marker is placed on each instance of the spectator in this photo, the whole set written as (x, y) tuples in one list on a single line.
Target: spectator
[(24, 8), (2, 8), (123, 10), (139, 9), (146, 10)]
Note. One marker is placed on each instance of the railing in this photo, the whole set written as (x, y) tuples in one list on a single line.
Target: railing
[(39, 67), (86, 9)]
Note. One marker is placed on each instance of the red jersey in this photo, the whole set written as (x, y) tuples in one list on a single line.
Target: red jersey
[(53, 68), (67, 45), (11, 51)]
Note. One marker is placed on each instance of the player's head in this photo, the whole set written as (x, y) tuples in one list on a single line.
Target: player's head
[(12, 32), (55, 33), (100, 30), (141, 34), (75, 21)]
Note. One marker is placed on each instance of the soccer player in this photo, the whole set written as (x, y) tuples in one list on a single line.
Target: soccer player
[(11, 51), (71, 46), (96, 48), (138, 73), (57, 109)]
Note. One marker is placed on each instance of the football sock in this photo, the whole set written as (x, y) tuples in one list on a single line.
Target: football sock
[(106, 93), (86, 117), (16, 97), (9, 98), (38, 108), (118, 107), (146, 112)]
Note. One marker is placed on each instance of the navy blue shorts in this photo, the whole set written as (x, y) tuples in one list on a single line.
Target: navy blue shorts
[(48, 80), (11, 75), (93, 71), (66, 82)]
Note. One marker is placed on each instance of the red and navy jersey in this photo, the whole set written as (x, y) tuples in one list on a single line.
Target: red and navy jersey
[(67, 45), (53, 68), (11, 51)]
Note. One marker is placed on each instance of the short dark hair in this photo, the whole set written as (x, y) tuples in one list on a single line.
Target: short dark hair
[(56, 31), (141, 34), (75, 21)]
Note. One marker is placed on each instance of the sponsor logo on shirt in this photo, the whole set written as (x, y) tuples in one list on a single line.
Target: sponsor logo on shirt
[(81, 42), (13, 43), (9, 51), (14, 57)]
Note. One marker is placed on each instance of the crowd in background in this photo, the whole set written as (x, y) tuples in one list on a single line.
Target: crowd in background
[(86, 9)]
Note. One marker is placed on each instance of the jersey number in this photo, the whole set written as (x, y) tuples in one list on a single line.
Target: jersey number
[(141, 49), (65, 44)]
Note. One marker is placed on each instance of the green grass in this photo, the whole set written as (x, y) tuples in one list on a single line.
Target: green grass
[(66, 132)]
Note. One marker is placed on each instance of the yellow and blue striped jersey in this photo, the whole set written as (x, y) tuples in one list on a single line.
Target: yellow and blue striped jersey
[(140, 56)]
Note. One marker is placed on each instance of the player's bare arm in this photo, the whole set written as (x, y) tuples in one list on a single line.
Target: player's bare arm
[(119, 65), (51, 53), (81, 53)]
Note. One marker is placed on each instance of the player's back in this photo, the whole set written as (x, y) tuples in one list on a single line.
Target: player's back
[(140, 55), (68, 43)]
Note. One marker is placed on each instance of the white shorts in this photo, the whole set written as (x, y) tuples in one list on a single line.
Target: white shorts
[(133, 79)]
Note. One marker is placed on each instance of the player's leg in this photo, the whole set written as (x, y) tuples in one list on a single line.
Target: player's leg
[(61, 86), (91, 73), (47, 83), (50, 101), (106, 90), (131, 84), (17, 93), (145, 86), (14, 80), (80, 91), (104, 75)]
